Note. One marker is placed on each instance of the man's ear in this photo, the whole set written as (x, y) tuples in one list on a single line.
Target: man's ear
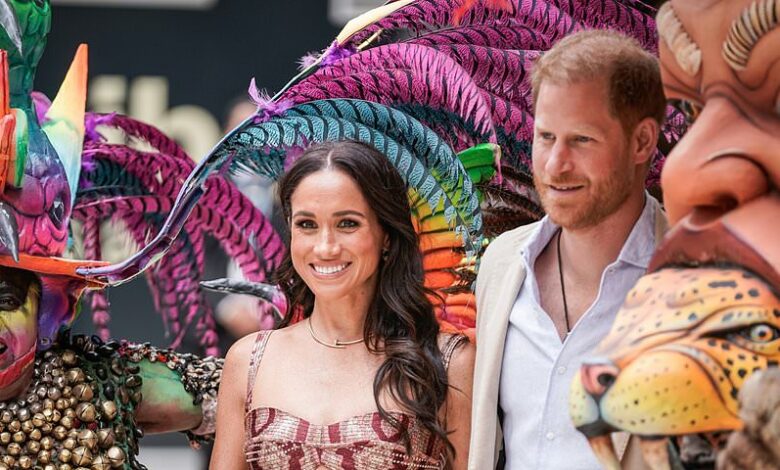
[(645, 140)]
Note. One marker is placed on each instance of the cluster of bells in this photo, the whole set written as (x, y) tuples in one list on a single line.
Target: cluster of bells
[(77, 413), (62, 423)]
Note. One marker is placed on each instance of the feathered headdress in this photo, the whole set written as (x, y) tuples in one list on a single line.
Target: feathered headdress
[(427, 82)]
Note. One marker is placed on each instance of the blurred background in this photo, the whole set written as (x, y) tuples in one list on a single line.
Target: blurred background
[(182, 65)]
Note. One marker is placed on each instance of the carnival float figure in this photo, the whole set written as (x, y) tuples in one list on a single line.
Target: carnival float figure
[(76, 401), (695, 349)]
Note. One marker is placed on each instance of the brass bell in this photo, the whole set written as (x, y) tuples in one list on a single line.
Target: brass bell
[(68, 357), (109, 409), (35, 434), (27, 426), (82, 456), (83, 392), (38, 419), (25, 462), (19, 437), (54, 393), (67, 421), (69, 443), (87, 438), (116, 457), (101, 462), (75, 376), (64, 455), (33, 447), (5, 438), (14, 449), (47, 442), (44, 456), (86, 412), (60, 432), (105, 438)]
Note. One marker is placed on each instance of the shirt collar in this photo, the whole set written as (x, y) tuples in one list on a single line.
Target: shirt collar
[(637, 250)]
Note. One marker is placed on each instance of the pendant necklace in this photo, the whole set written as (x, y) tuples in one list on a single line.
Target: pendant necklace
[(563, 286), (336, 344)]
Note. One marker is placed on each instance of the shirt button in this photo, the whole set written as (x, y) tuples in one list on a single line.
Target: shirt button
[(550, 436), (561, 370)]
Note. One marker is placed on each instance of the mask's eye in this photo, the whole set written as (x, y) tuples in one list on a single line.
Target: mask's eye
[(40, 3), (9, 303), (57, 212), (690, 109), (761, 333)]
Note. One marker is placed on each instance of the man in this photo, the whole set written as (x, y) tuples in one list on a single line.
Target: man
[(548, 292)]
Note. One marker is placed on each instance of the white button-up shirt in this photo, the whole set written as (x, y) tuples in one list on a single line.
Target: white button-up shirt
[(538, 369)]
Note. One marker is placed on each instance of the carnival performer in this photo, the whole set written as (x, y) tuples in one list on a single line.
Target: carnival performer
[(366, 380), (548, 292), (73, 401)]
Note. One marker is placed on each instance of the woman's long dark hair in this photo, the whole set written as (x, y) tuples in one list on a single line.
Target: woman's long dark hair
[(400, 321)]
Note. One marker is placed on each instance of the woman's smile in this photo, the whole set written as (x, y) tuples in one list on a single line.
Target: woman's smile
[(330, 271)]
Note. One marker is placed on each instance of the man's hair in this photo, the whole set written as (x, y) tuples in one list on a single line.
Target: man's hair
[(632, 74)]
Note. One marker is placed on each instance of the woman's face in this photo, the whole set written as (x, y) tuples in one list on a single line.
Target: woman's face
[(336, 239)]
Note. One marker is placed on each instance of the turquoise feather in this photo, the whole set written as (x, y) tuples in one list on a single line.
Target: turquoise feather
[(418, 138), (260, 148)]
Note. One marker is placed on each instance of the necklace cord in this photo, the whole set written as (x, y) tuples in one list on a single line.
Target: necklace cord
[(563, 286)]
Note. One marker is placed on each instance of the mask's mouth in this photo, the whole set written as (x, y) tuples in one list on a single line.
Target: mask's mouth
[(657, 452), (3, 347)]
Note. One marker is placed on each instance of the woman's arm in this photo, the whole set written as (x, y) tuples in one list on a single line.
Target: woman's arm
[(460, 375), (228, 453)]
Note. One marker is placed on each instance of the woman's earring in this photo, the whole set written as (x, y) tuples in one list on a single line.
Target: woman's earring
[(385, 254)]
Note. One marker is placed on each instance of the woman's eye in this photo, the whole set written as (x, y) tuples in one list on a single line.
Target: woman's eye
[(348, 224), (305, 224)]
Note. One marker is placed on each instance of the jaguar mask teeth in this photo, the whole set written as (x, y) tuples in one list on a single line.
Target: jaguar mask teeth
[(604, 450)]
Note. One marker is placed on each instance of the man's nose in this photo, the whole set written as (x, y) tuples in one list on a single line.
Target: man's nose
[(558, 159)]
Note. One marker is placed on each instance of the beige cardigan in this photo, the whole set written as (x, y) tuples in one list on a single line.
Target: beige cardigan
[(501, 275)]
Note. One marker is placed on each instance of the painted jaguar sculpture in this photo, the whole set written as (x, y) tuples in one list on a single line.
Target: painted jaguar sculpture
[(705, 321)]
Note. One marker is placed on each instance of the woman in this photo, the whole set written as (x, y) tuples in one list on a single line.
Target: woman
[(365, 381)]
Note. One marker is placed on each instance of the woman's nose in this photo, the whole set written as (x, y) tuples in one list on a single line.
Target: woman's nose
[(327, 245)]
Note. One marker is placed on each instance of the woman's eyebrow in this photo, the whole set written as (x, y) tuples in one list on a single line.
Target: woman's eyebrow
[(303, 214), (348, 212)]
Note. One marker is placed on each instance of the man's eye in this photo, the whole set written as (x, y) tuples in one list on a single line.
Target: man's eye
[(546, 136), (582, 139)]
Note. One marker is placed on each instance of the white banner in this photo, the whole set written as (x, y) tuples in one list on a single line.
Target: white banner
[(167, 4)]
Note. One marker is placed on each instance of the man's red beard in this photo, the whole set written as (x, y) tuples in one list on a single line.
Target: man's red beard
[(603, 199)]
